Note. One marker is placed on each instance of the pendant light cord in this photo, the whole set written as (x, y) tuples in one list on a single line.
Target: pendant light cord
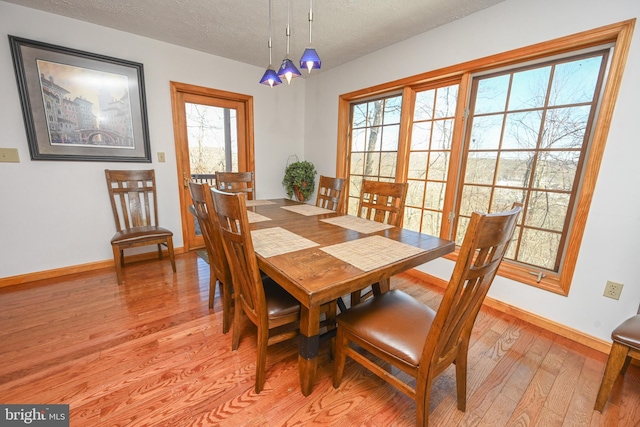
[(310, 18), (270, 61), (288, 29)]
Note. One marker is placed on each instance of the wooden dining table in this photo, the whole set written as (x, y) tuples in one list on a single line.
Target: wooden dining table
[(319, 256)]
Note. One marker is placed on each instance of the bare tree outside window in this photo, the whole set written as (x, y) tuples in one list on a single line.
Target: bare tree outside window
[(374, 144), (430, 158), (212, 138), (527, 138), (527, 141), (529, 125)]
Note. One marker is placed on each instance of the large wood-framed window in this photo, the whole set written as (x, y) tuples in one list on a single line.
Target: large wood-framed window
[(528, 125)]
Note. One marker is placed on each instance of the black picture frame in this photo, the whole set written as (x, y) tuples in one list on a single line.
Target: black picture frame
[(80, 106)]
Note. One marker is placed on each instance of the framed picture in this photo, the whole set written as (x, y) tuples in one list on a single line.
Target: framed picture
[(79, 105)]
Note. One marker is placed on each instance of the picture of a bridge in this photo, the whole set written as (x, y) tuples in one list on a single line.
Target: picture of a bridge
[(86, 107)]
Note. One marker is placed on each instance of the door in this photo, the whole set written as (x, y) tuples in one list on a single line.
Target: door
[(213, 132)]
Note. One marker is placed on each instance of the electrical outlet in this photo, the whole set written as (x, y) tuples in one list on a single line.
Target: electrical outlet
[(613, 290)]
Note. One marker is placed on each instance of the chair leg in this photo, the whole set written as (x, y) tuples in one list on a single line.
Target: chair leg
[(340, 358), (461, 377), (212, 289), (117, 259), (227, 303), (171, 254), (160, 251), (423, 398), (261, 363), (237, 324), (615, 362)]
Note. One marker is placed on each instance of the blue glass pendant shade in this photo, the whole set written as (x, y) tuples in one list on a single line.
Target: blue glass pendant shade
[(310, 59), (270, 78), (288, 70)]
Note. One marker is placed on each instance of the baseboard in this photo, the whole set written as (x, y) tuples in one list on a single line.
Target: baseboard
[(534, 319), (557, 328), (80, 268)]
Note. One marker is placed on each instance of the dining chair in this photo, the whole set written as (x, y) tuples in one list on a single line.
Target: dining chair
[(625, 346), (330, 195), (135, 210), (219, 272), (237, 182), (274, 312), (381, 202), (404, 332)]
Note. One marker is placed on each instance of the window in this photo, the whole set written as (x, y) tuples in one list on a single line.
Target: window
[(374, 144), (430, 150), (528, 134), (524, 126)]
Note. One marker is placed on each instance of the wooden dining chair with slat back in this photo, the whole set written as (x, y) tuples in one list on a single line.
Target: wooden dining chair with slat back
[(274, 311), (135, 210), (237, 182), (330, 195), (381, 202), (219, 272), (404, 332)]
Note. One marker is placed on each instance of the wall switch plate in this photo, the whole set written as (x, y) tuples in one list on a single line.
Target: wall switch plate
[(613, 290), (9, 155), (161, 158)]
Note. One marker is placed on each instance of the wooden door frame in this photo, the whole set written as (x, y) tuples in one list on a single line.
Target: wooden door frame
[(245, 122)]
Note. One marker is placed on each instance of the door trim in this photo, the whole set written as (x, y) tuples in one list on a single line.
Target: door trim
[(245, 123)]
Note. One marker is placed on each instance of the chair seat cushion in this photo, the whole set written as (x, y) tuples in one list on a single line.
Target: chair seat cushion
[(628, 332), (279, 302), (394, 322), (141, 234)]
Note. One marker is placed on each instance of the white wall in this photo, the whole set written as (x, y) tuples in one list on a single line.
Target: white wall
[(610, 247), (56, 214)]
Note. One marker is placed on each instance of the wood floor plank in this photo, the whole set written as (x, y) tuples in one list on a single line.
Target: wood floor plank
[(151, 353)]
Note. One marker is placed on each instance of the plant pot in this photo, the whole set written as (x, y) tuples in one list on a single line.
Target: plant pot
[(298, 193)]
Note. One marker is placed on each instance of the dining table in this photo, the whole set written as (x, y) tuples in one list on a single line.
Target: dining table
[(319, 256)]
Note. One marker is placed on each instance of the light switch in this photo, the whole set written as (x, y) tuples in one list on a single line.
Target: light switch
[(161, 157), (9, 155)]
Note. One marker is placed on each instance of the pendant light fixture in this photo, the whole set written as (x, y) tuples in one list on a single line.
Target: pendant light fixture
[(270, 77), (288, 70), (310, 58)]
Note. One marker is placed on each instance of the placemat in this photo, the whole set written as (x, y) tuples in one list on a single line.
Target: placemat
[(274, 241), (254, 217), (307, 210), (251, 203), (371, 252), (355, 223)]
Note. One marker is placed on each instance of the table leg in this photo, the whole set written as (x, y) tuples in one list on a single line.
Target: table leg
[(308, 347), (382, 286)]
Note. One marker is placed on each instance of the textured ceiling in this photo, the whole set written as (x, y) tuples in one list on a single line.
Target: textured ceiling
[(343, 30)]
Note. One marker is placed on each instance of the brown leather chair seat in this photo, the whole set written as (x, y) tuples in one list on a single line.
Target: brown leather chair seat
[(628, 332), (409, 322), (140, 234), (279, 302), (625, 346)]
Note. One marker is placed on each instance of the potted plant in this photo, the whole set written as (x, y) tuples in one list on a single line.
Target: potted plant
[(299, 179)]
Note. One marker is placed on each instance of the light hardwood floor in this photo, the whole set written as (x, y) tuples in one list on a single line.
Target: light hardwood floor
[(150, 353)]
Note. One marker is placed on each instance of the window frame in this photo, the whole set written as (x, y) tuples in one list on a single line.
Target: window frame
[(618, 34)]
